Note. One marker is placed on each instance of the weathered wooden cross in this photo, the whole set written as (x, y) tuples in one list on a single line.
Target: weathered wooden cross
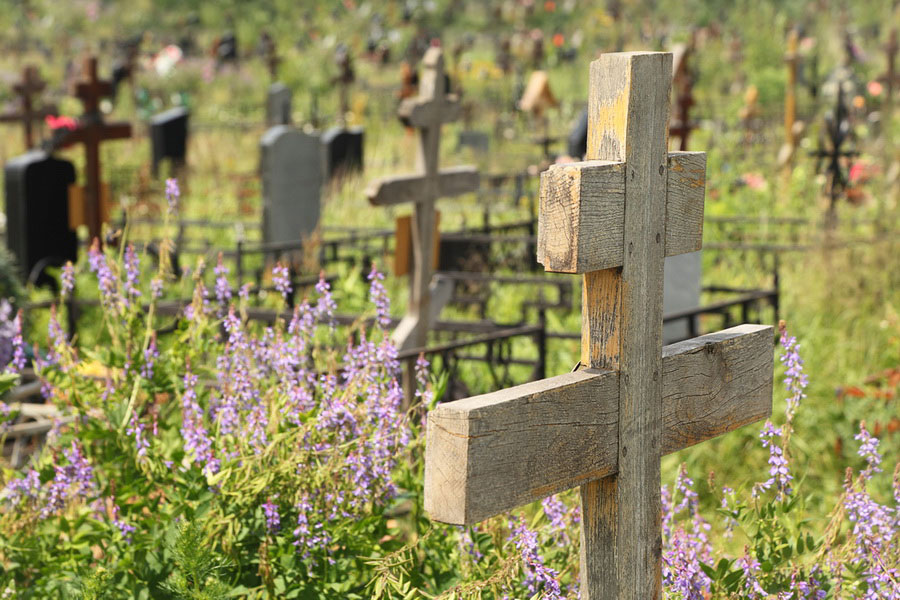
[(91, 131), (27, 112), (890, 78), (683, 82), (792, 60), (604, 427), (427, 112)]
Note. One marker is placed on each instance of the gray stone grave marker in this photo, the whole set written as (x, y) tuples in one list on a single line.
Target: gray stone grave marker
[(278, 104), (292, 174)]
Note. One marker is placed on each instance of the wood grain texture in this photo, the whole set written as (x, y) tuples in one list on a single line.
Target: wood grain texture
[(629, 103), (582, 212), (491, 453), (685, 196), (400, 189)]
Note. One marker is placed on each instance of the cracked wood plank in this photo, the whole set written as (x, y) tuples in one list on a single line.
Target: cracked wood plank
[(494, 452)]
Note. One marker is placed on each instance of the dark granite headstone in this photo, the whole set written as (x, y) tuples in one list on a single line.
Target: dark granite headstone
[(343, 150), (577, 145), (37, 210), (476, 140), (168, 137)]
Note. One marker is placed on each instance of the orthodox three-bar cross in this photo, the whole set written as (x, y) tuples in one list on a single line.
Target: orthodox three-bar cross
[(614, 219), (427, 112), (27, 112), (91, 131)]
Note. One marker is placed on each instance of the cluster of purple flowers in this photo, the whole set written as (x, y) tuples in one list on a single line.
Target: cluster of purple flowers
[(281, 278), (538, 576), (173, 193), (73, 479)]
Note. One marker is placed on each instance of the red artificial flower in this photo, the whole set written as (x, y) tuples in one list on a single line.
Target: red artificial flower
[(558, 40), (549, 6), (61, 122)]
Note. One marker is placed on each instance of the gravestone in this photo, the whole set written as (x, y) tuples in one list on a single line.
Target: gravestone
[(343, 151), (577, 141), (478, 141), (278, 104), (292, 174), (681, 291), (37, 210), (168, 138), (605, 426)]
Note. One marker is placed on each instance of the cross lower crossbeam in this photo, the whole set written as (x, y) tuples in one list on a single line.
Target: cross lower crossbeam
[(491, 453)]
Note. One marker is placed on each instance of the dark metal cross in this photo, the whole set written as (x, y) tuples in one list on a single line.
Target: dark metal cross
[(30, 85), (91, 131), (831, 151)]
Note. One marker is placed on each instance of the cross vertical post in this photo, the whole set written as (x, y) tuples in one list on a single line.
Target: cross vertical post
[(604, 427), (427, 112), (628, 110), (890, 77), (792, 60)]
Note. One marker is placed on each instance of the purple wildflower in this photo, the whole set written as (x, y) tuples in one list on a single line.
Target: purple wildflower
[(24, 489), (17, 364), (326, 305), (196, 438), (156, 287), (132, 274), (868, 450), (123, 526), (67, 280), (136, 428), (151, 353), (779, 470), (379, 298), (109, 285), (281, 277), (173, 193), (273, 519), (538, 576), (223, 289)]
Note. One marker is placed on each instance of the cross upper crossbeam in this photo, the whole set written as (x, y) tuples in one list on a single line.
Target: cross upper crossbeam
[(30, 85), (612, 218)]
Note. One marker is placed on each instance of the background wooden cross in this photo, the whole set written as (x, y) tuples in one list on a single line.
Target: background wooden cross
[(91, 131), (30, 85), (613, 219), (890, 78), (683, 78), (792, 60), (427, 112)]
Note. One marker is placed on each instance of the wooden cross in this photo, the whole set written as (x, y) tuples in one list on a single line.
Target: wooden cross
[(604, 427), (31, 84), (91, 131), (683, 82), (792, 60), (890, 77), (427, 112)]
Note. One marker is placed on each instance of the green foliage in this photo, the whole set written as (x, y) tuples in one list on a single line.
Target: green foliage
[(198, 570)]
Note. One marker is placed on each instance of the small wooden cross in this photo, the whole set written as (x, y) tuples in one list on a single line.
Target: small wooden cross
[(792, 60), (91, 131), (890, 78), (30, 85), (683, 82), (614, 219), (427, 112)]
